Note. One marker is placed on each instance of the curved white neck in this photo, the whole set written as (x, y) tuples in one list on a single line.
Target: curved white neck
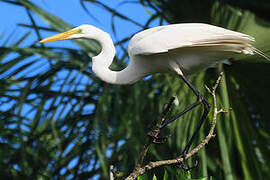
[(102, 62)]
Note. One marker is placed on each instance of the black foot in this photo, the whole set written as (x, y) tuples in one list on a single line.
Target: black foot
[(184, 165), (155, 136)]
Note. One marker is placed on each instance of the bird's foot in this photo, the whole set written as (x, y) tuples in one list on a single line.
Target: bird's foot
[(184, 164), (154, 134)]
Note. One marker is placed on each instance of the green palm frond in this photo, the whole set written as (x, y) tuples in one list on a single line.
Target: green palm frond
[(59, 121)]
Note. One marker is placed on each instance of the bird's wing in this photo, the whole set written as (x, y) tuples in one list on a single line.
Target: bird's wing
[(161, 39)]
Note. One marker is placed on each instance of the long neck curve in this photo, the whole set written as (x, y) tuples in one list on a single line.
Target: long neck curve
[(102, 62)]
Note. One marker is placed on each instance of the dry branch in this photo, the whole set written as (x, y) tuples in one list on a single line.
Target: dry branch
[(140, 169)]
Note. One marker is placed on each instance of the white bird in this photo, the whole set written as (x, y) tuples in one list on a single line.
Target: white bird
[(183, 48)]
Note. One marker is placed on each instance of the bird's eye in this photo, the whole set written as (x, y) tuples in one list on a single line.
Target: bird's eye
[(79, 31)]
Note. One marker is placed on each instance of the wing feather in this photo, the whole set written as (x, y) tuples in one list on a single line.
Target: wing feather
[(164, 38)]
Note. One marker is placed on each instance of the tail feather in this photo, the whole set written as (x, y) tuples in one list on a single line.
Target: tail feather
[(234, 45), (259, 52)]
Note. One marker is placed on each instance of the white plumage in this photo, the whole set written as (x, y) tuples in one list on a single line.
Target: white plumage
[(162, 39), (184, 48)]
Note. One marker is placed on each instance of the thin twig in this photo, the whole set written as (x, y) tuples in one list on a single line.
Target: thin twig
[(111, 172), (140, 170), (154, 133)]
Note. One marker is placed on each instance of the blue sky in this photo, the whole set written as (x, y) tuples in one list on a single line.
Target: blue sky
[(73, 13)]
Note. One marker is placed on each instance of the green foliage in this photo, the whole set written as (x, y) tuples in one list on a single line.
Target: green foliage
[(55, 113), (166, 176), (183, 175)]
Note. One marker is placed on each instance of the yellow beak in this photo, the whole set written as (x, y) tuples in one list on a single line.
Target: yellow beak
[(61, 36)]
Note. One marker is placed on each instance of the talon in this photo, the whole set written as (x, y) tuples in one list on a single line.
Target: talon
[(159, 140), (182, 164), (155, 135), (188, 168)]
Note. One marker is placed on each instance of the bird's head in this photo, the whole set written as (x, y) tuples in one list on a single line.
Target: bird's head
[(76, 33)]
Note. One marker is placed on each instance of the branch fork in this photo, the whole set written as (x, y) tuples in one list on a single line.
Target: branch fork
[(154, 136)]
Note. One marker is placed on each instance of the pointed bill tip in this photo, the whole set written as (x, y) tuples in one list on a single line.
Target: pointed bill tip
[(43, 40), (61, 36), (57, 37)]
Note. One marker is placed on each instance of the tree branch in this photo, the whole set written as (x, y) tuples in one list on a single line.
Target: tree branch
[(111, 172), (154, 136), (154, 133)]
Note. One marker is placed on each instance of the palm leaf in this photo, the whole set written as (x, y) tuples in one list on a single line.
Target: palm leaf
[(59, 119)]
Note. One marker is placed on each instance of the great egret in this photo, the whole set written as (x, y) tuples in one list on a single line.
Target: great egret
[(183, 48)]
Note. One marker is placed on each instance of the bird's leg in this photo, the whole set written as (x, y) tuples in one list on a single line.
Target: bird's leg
[(180, 114), (206, 106), (200, 99), (188, 168)]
